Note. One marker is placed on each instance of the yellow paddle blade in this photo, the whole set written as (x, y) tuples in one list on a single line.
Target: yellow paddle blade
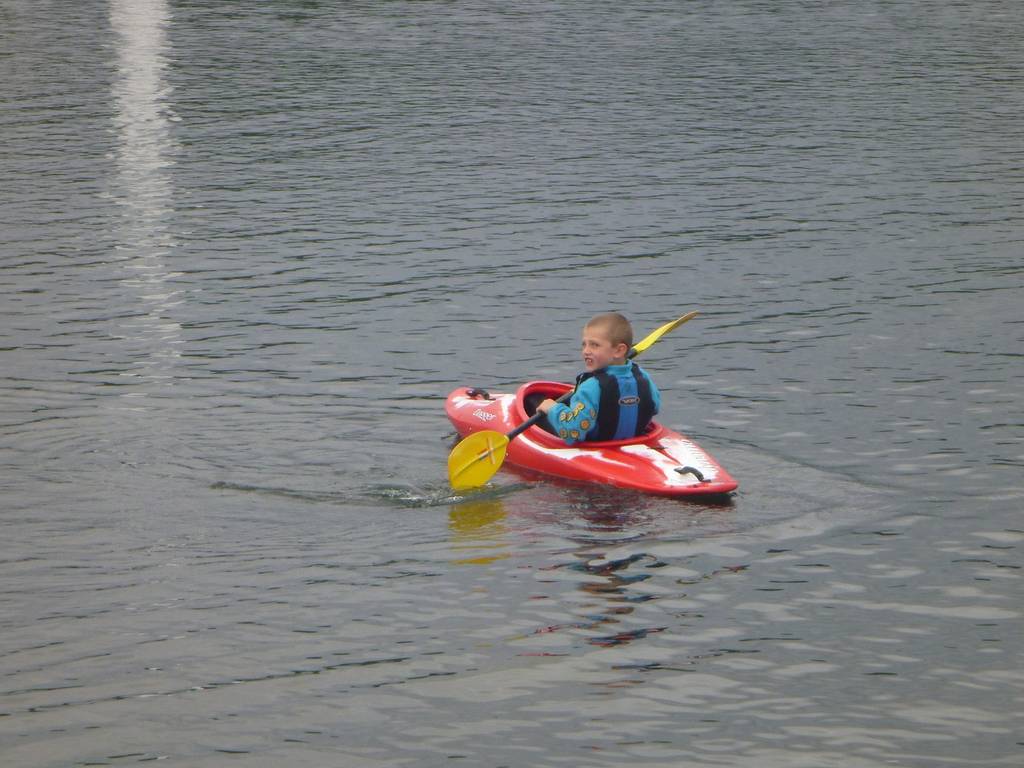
[(475, 459), (653, 336)]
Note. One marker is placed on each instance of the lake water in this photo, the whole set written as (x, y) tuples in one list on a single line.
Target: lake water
[(247, 251)]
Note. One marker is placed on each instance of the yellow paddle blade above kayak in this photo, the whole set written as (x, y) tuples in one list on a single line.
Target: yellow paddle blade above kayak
[(475, 460), (656, 334)]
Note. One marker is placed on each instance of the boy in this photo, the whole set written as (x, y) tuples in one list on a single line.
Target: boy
[(614, 399)]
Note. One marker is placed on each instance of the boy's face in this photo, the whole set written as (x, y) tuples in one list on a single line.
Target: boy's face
[(598, 351)]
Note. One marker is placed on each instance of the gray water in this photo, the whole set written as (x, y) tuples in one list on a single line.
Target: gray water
[(249, 248)]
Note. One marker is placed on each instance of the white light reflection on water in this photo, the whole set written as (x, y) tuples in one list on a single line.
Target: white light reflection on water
[(143, 187)]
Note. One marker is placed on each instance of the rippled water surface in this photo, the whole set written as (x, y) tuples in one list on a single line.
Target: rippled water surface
[(249, 248)]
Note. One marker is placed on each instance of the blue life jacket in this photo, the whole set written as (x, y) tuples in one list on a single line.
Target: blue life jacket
[(627, 403)]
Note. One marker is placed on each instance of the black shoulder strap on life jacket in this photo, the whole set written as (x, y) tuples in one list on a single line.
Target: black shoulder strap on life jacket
[(608, 410), (643, 390)]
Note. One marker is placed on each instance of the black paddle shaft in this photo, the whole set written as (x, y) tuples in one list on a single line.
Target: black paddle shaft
[(536, 417)]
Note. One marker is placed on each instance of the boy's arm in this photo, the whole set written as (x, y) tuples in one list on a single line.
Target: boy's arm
[(572, 421)]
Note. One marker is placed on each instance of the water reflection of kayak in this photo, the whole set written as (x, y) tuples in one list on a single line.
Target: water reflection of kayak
[(661, 461)]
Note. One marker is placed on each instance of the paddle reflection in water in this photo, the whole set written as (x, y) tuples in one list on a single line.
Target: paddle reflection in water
[(476, 526)]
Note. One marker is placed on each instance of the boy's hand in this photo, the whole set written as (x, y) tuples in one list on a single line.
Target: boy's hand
[(545, 405)]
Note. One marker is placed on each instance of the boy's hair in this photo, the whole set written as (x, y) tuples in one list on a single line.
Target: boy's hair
[(615, 326)]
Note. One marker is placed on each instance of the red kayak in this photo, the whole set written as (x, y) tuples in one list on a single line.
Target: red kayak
[(661, 461)]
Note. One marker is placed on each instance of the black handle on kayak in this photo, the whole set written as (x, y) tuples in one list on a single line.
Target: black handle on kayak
[(564, 398)]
